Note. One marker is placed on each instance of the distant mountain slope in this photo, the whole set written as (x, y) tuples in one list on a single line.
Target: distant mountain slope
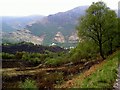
[(64, 22), (7, 28), (12, 23), (61, 21)]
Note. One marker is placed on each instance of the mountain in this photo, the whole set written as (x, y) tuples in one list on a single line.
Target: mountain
[(13, 23), (57, 28), (63, 22)]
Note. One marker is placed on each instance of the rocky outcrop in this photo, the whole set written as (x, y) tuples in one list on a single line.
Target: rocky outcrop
[(73, 38), (59, 38)]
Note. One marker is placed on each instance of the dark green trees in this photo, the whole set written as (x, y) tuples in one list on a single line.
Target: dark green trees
[(99, 24)]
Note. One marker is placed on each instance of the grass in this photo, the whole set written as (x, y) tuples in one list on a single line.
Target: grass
[(105, 76)]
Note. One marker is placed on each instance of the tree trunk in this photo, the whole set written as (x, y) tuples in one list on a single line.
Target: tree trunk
[(101, 51)]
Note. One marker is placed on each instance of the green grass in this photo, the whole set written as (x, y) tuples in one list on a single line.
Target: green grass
[(105, 76)]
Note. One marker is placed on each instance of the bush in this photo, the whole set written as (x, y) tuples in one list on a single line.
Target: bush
[(26, 56), (19, 55), (54, 61), (7, 56), (28, 84), (34, 57)]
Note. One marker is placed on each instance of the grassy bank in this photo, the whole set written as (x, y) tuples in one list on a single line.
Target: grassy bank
[(102, 75), (105, 76)]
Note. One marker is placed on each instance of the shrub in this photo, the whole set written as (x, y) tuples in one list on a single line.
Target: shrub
[(7, 56), (26, 56), (19, 55), (54, 61), (34, 57), (28, 84)]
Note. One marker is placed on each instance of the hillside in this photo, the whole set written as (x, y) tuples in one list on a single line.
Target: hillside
[(30, 48), (101, 75), (13, 23), (64, 22)]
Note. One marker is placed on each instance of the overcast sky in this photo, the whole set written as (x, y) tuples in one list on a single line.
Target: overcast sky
[(44, 7)]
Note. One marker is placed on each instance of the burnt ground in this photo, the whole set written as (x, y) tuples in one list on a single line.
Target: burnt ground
[(45, 77), (13, 63)]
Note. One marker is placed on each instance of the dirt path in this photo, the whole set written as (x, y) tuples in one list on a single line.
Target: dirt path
[(81, 77)]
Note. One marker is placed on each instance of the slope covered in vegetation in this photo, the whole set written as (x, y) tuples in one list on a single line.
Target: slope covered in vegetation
[(101, 75)]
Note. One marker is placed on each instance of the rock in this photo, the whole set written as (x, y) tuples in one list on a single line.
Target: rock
[(73, 38), (59, 37)]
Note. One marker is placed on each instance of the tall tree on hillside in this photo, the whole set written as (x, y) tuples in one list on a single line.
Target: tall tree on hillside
[(98, 25)]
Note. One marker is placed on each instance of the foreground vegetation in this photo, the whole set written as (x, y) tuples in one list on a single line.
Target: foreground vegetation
[(28, 84), (105, 76), (102, 75)]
